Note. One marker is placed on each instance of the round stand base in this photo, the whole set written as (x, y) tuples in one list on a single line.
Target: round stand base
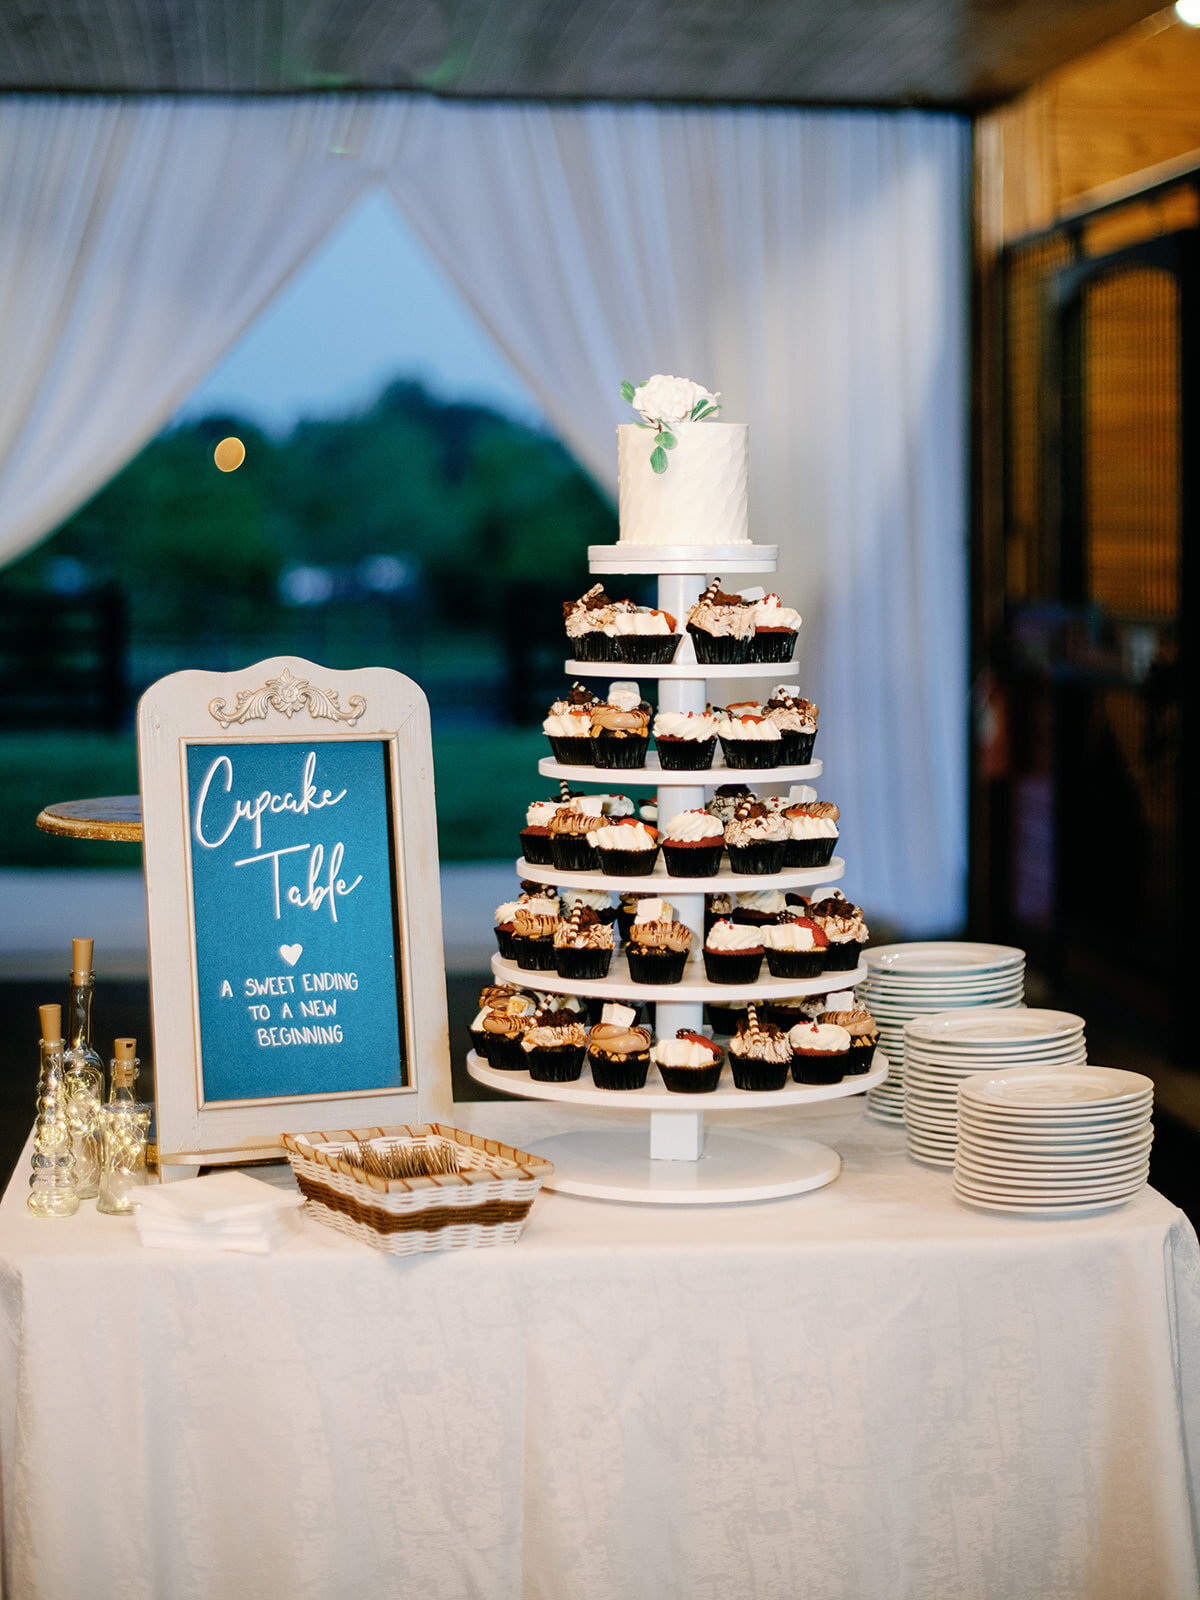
[(615, 1164)]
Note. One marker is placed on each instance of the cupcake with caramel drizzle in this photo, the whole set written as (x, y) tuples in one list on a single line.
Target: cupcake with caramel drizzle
[(499, 1028), (570, 850), (554, 1046), (621, 728), (658, 945), (583, 945), (618, 1052), (864, 1036), (721, 626)]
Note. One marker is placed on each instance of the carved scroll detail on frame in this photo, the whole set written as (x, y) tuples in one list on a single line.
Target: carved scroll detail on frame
[(288, 694)]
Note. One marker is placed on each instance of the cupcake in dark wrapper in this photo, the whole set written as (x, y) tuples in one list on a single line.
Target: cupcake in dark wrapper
[(732, 954), (716, 906), (727, 799), (621, 728), (554, 1047), (686, 740), (776, 627), (627, 905), (758, 908), (645, 636), (568, 726), (626, 849), (503, 1026), (812, 833), (618, 1050), (591, 624), (796, 948), (864, 1037), (658, 945), (535, 835), (760, 1056), (749, 741), (796, 719), (725, 1018), (689, 1063), (533, 896), (842, 924), (755, 838), (692, 845), (583, 945), (597, 900), (820, 1052), (570, 825), (533, 939), (721, 627)]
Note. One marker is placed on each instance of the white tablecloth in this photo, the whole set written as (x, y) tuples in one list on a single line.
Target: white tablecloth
[(869, 1391)]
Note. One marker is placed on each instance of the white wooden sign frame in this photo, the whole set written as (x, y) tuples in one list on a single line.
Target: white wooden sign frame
[(285, 699)]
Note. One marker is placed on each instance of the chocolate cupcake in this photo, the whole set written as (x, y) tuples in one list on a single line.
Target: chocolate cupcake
[(689, 1063), (732, 954), (533, 939), (796, 948), (570, 849), (820, 1052), (618, 1052), (597, 900), (812, 834), (749, 741), (758, 908), (645, 636), (842, 924), (864, 1037), (554, 1047), (796, 719), (658, 945), (692, 845), (721, 626), (569, 725), (759, 1054), (755, 839), (626, 849), (535, 835), (583, 945), (591, 624), (775, 629), (503, 1025), (686, 740), (621, 728)]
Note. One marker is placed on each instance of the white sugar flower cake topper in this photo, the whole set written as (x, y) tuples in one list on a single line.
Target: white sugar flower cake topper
[(662, 402)]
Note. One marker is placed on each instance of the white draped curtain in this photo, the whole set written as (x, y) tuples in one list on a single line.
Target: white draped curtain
[(810, 265)]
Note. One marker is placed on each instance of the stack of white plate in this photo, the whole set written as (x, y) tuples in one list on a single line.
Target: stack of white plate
[(915, 980), (1059, 1142), (940, 1051)]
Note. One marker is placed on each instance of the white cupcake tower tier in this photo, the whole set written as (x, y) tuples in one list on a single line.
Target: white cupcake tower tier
[(677, 1164)]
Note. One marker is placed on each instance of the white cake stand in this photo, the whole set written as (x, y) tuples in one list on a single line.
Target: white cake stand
[(675, 1162)]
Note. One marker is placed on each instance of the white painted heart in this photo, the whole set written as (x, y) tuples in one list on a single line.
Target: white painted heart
[(291, 953)]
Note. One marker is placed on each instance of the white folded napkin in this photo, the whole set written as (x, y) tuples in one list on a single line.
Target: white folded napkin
[(221, 1211)]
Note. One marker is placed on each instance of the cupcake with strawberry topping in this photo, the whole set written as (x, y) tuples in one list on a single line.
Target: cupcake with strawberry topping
[(775, 629), (658, 945), (820, 1052), (749, 740), (759, 1054), (812, 833), (796, 948), (626, 849), (690, 1063), (646, 636), (591, 624), (732, 954), (686, 740), (721, 627), (692, 843), (583, 945), (796, 719), (621, 728), (842, 924), (755, 838)]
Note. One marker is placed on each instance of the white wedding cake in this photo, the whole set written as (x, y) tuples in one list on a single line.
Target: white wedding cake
[(681, 480)]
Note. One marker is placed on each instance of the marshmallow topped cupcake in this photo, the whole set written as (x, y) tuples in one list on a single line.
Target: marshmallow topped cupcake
[(796, 948), (686, 740), (619, 1051), (570, 849), (692, 843), (658, 945), (621, 728)]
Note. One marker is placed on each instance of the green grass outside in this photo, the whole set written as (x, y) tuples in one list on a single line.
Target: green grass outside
[(485, 780)]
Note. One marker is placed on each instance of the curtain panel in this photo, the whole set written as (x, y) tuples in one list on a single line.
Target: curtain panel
[(809, 264)]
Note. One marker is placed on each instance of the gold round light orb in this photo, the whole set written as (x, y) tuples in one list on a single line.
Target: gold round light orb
[(229, 454)]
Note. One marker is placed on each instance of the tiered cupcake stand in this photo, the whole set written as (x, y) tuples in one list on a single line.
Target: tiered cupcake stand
[(679, 1163)]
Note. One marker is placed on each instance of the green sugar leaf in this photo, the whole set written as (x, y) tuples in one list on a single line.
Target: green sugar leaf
[(667, 440), (627, 391), (658, 459)]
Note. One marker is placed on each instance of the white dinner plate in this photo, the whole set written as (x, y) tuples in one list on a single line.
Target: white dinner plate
[(1050, 1172), (1024, 1210), (1049, 1195), (1079, 1149), (1027, 1090), (988, 1025), (941, 955)]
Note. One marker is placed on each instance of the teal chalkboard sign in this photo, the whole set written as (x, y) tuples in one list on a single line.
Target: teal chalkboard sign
[(299, 980), (297, 977)]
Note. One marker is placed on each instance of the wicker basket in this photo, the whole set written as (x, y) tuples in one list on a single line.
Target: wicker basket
[(486, 1202)]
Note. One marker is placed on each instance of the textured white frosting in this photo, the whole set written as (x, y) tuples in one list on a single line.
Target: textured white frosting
[(819, 1036), (691, 826), (685, 725), (733, 936), (743, 728), (594, 899), (575, 725), (788, 936), (623, 836), (812, 827), (702, 496), (770, 612), (540, 812), (681, 1053), (641, 621), (768, 900)]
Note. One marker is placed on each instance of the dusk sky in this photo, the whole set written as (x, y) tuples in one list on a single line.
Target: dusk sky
[(369, 306)]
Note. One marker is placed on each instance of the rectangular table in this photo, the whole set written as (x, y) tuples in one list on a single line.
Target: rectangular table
[(868, 1391)]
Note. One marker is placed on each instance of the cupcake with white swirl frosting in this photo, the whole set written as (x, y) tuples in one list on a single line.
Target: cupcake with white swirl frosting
[(732, 953), (692, 843), (750, 741), (686, 740)]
